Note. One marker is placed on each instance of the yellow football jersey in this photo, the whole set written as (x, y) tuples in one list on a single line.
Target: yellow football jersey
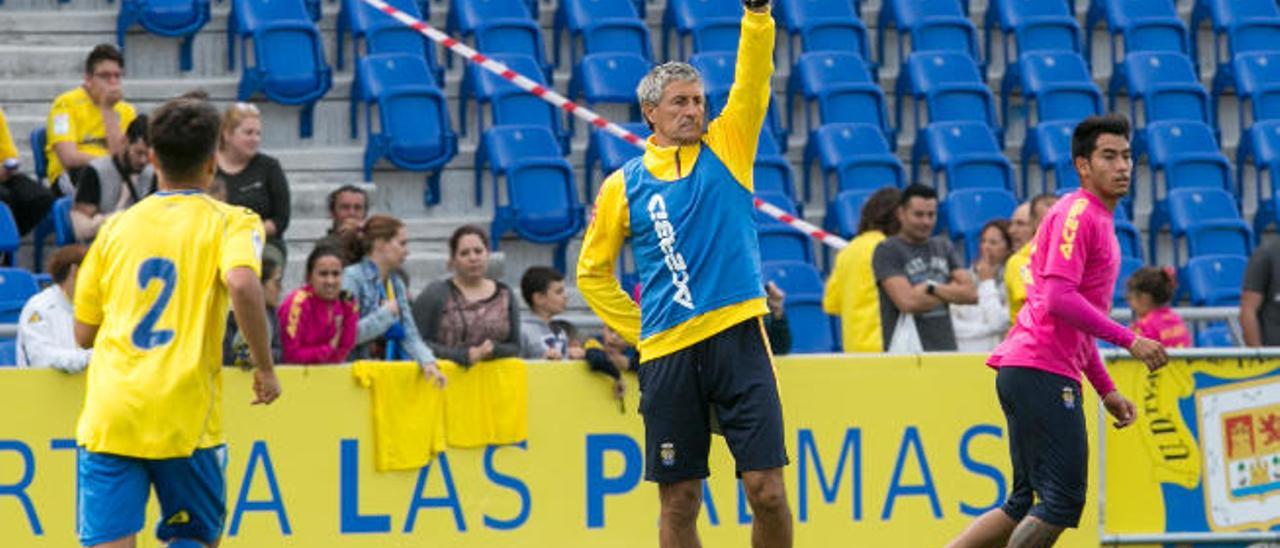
[(74, 118), (154, 283)]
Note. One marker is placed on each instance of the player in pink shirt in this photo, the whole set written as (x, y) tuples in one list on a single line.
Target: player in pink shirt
[(1075, 260), (1149, 292)]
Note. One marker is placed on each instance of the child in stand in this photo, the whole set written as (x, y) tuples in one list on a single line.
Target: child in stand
[(611, 355), (1149, 292)]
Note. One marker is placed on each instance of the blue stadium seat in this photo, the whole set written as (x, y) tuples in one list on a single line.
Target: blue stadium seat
[(288, 53), (413, 119), (8, 353), (383, 34), (950, 87), (542, 204), (1130, 239), (508, 104), (855, 155), (610, 153), (931, 25), (1161, 86), (780, 242), (608, 20), (841, 87), (1210, 221), (608, 78), (38, 142), (498, 27), (10, 240), (1049, 143), (844, 212), (967, 210), (793, 277), (1054, 86), (57, 223), (1214, 280), (772, 174), (1239, 26), (717, 70), (812, 330), (719, 35), (823, 25), (967, 153), (1256, 81), (1260, 147), (683, 16), (16, 286), (1031, 25), (1128, 265), (1182, 155), (1136, 26), (169, 18), (504, 145), (1215, 335)]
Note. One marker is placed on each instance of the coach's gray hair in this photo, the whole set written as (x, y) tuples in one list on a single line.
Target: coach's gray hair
[(649, 92)]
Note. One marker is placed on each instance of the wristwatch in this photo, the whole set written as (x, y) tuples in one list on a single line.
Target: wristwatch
[(755, 4), (931, 288)]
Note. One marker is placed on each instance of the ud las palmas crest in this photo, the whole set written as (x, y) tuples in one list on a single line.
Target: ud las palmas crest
[(1240, 441)]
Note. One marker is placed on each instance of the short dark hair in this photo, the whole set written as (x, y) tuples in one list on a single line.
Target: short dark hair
[(1002, 226), (1036, 203), (878, 211), (198, 94), (536, 280), (322, 251), (138, 130), (333, 196), (1154, 281), (184, 136), (463, 231), (63, 259), (100, 53), (269, 267), (1085, 138), (917, 190)]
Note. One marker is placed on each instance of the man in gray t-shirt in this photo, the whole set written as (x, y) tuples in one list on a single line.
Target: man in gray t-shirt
[(1260, 300), (920, 275)]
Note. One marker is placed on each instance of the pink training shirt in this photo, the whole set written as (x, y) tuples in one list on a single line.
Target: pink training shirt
[(1166, 326), (1075, 248)]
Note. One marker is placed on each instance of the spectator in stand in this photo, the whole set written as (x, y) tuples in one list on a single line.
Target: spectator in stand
[(112, 183), (1260, 298), (1015, 275), (1149, 292), (980, 327), (610, 354), (851, 291), (542, 288), (1020, 228), (235, 350), (776, 327), (253, 179), (46, 326), (348, 208), (27, 199), (469, 317), (88, 122), (318, 321), (382, 298), (919, 277)]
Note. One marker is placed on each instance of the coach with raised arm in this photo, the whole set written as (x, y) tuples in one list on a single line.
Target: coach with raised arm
[(685, 207)]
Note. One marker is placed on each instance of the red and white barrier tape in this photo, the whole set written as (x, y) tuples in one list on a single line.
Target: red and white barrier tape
[(563, 103)]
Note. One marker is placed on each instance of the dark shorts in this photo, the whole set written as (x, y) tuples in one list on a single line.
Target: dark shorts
[(1047, 444), (113, 492), (728, 376)]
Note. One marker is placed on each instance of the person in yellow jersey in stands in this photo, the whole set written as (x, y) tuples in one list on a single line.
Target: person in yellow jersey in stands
[(151, 301), (89, 121), (851, 290), (1023, 231), (685, 208)]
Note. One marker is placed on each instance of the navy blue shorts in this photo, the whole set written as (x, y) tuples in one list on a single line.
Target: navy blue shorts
[(113, 492), (728, 378), (1047, 444)]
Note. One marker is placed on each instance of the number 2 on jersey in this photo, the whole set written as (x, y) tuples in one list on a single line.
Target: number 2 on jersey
[(145, 336)]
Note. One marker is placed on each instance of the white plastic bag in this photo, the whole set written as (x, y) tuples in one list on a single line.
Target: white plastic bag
[(906, 340)]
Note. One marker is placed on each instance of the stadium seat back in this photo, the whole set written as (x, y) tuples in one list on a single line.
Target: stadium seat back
[(1215, 280), (16, 286)]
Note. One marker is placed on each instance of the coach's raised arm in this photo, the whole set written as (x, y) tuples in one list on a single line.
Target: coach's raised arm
[(735, 134)]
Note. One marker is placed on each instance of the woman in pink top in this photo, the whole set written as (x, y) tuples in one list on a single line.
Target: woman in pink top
[(319, 319), (1149, 292)]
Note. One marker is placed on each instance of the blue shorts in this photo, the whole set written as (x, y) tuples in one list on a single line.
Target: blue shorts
[(113, 492)]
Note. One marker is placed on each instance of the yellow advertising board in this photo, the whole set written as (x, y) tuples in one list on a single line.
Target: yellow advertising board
[(885, 451)]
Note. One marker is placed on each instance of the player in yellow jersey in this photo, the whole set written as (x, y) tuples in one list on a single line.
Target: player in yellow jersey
[(151, 300)]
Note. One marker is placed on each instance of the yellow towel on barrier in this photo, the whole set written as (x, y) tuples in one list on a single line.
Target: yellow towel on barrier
[(408, 414), (487, 404)]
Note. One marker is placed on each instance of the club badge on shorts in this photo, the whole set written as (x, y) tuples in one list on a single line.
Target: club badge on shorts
[(1068, 397), (667, 451)]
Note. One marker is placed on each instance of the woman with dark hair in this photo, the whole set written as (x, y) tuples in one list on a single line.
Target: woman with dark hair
[(851, 291), (980, 327), (469, 317), (385, 330), (318, 320)]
